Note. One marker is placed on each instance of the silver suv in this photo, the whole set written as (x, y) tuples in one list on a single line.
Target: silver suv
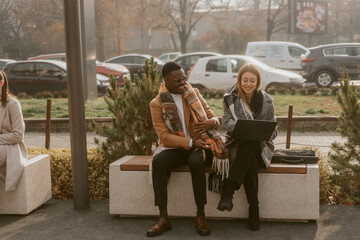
[(324, 64)]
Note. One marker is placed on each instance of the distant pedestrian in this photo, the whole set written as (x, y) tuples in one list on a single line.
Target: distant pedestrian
[(13, 152)]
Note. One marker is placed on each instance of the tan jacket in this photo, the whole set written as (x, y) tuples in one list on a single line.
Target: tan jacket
[(12, 128), (168, 139)]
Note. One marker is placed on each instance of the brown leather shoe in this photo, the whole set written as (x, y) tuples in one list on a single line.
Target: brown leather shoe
[(162, 225), (202, 227)]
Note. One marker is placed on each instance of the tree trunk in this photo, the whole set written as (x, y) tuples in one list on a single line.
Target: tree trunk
[(183, 41), (269, 23), (173, 42), (269, 29)]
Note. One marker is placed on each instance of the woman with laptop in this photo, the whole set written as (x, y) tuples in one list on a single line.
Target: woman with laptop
[(248, 149)]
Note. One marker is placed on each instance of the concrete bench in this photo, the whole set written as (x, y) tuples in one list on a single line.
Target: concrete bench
[(33, 190), (286, 192)]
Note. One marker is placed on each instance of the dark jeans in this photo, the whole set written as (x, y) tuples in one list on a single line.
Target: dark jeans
[(167, 160), (244, 170)]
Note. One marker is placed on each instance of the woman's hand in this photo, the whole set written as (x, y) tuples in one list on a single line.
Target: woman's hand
[(204, 126)]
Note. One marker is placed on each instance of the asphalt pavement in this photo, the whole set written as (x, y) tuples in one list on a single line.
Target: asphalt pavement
[(57, 219)]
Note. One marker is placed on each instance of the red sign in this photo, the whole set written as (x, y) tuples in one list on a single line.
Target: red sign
[(310, 17)]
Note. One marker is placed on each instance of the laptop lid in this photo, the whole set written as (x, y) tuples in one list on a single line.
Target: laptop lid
[(255, 130)]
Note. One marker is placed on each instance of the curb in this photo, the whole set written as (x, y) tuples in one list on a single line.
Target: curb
[(298, 122)]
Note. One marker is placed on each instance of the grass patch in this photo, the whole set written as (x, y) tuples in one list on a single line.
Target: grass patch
[(302, 105)]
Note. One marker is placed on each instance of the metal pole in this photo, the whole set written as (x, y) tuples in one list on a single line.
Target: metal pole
[(48, 123), (76, 104), (87, 11), (289, 125)]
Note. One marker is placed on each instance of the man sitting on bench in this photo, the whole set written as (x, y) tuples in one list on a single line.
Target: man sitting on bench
[(186, 129)]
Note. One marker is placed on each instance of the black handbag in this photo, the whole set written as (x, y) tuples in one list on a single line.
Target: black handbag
[(294, 156)]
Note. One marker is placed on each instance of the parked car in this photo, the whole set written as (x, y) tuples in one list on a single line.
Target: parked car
[(5, 61), (324, 64), (189, 59), (220, 72), (167, 57), (283, 55), (120, 72), (135, 62), (34, 76)]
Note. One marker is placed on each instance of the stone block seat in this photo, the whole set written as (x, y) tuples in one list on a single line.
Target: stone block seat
[(34, 187), (286, 192)]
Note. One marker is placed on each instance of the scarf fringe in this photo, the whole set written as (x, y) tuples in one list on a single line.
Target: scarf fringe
[(221, 166)]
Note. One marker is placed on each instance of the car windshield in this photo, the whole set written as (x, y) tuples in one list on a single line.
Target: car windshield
[(258, 63)]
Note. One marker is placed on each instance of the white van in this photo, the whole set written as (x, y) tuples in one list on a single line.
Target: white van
[(283, 55)]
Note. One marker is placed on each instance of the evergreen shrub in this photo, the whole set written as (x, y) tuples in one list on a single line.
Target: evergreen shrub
[(345, 157), (131, 131)]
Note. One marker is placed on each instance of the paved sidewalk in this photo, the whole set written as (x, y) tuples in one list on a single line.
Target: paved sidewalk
[(322, 140), (58, 220)]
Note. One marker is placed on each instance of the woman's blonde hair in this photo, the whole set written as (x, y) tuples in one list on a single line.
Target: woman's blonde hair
[(248, 67)]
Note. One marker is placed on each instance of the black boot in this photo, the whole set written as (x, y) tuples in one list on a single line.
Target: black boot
[(225, 203), (254, 222), (227, 196)]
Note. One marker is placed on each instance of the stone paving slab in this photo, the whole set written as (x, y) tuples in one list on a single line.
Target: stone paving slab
[(58, 220)]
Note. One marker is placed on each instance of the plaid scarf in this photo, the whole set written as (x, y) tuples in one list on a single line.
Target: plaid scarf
[(170, 114)]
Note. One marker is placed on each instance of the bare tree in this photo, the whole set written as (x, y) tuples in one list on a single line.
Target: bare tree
[(276, 20), (179, 17)]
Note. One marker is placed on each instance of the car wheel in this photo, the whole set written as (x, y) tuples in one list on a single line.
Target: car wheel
[(324, 78)]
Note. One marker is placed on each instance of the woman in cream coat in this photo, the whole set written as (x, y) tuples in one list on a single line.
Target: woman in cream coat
[(13, 153)]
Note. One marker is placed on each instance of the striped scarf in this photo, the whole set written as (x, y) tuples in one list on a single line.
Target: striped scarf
[(170, 114)]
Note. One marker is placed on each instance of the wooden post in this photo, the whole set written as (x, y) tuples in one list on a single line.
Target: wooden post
[(48, 123), (289, 124)]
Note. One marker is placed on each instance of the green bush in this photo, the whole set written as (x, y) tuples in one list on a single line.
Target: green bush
[(60, 94), (61, 173), (312, 90), (22, 95), (272, 91), (326, 187), (301, 91), (45, 94)]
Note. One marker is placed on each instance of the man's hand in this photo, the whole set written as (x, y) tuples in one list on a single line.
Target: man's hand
[(201, 144), (204, 126)]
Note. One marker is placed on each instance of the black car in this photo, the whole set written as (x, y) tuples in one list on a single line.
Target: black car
[(3, 62), (134, 63), (189, 59), (324, 64), (42, 75)]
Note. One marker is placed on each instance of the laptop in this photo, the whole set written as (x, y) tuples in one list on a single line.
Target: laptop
[(253, 130)]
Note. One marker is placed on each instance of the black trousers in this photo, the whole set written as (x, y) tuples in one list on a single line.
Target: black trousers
[(173, 158), (244, 169)]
